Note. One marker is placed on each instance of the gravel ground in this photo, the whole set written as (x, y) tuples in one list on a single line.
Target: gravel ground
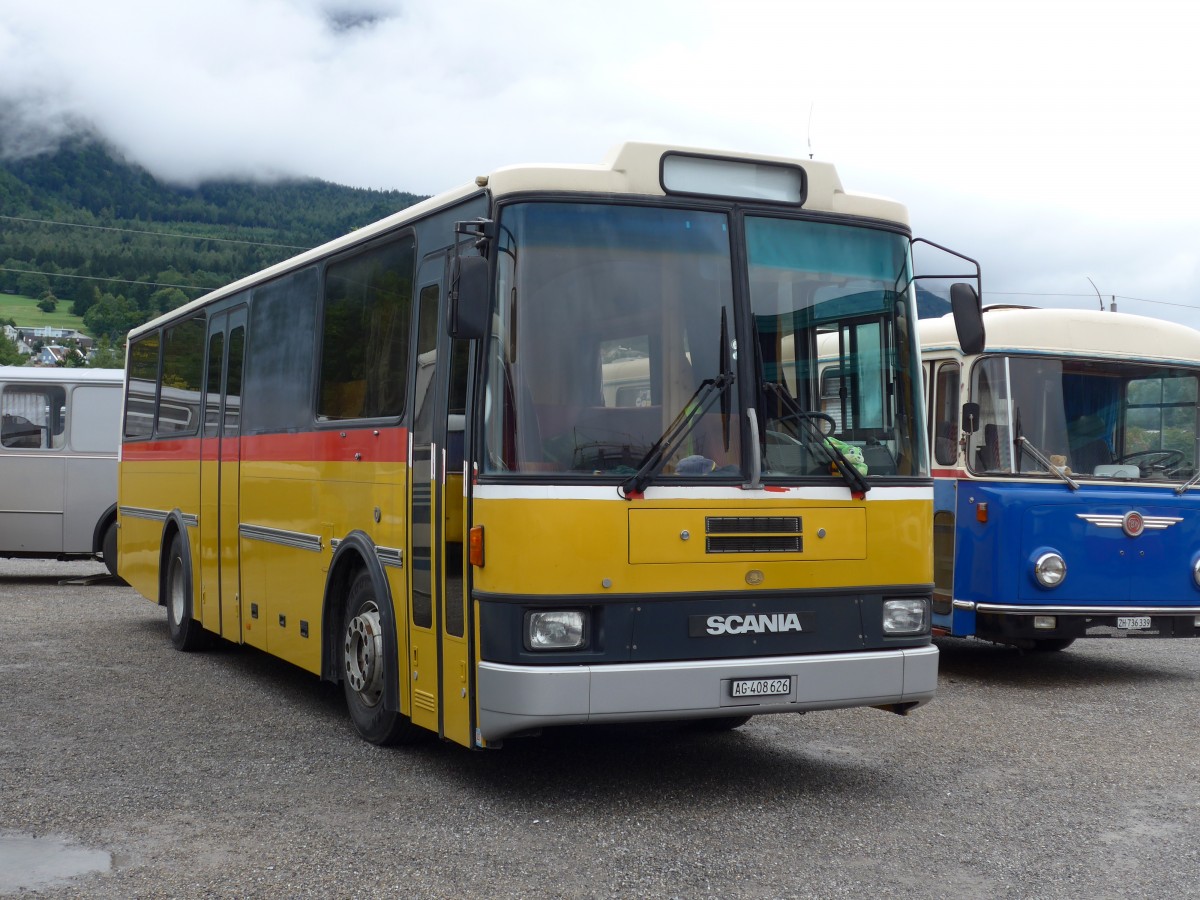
[(229, 774)]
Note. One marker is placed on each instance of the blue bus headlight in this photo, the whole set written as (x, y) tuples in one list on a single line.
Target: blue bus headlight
[(1050, 570), (909, 616), (564, 629)]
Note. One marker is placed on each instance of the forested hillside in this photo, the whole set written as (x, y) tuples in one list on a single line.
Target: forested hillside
[(232, 229)]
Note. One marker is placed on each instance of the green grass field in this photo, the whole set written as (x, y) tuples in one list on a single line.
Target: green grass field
[(24, 311)]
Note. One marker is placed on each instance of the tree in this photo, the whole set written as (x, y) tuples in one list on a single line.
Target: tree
[(112, 317), (107, 355), (48, 303), (9, 354)]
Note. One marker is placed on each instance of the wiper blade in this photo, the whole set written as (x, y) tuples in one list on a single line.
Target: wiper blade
[(846, 469), (687, 419), (1021, 441), (1187, 485)]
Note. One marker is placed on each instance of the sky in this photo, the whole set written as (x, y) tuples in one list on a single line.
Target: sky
[(1054, 141)]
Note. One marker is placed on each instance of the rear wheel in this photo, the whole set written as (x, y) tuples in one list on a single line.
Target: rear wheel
[(108, 548), (366, 668), (186, 633)]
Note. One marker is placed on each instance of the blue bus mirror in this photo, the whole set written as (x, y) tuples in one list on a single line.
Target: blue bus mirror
[(468, 298), (968, 317)]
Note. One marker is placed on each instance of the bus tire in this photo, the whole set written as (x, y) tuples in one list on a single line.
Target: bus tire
[(365, 668), (108, 549), (186, 633), (1052, 645)]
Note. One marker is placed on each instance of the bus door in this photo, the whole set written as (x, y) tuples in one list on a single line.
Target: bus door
[(440, 673), (220, 463)]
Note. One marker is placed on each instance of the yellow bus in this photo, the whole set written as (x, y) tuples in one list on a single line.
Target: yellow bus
[(531, 453)]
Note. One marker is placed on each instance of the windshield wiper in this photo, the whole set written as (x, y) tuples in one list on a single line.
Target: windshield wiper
[(1021, 441), (1187, 485), (687, 419), (854, 478)]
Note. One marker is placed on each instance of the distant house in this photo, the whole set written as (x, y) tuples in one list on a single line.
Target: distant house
[(53, 355)]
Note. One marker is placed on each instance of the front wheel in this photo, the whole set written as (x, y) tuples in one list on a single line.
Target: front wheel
[(366, 669), (186, 633)]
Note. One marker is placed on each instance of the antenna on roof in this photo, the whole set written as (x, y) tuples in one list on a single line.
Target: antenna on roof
[(810, 114), (1097, 290)]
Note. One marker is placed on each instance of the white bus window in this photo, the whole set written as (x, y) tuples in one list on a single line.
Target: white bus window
[(93, 424), (33, 417)]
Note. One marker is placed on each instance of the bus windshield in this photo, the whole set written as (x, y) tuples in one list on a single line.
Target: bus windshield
[(1106, 418), (610, 321), (835, 348), (615, 331)]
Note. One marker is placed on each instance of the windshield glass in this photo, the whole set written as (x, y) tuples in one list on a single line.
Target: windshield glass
[(836, 359), (1098, 418), (610, 319)]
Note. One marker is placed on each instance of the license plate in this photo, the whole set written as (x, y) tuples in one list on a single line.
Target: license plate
[(762, 687), (1133, 621)]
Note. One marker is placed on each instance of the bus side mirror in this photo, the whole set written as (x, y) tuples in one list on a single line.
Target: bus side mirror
[(968, 318), (970, 418), (468, 298)]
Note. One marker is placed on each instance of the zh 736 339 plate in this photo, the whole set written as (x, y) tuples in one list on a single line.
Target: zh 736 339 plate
[(1133, 622)]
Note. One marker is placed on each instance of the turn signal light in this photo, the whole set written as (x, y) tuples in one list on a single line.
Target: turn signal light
[(476, 540), (981, 512)]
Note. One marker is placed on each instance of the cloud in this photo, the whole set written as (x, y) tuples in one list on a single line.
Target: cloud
[(1052, 141)]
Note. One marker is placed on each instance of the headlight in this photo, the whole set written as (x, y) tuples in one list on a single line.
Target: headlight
[(905, 616), (1196, 572), (1050, 570), (556, 630)]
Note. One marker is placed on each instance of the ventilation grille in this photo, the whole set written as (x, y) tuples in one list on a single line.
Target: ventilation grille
[(754, 534), (752, 525), (784, 543)]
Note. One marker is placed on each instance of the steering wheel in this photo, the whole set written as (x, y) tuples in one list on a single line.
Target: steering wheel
[(1153, 459)]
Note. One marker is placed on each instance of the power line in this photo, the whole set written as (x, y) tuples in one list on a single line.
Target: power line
[(190, 237), (183, 287)]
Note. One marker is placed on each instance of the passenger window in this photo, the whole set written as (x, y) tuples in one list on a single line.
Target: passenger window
[(364, 343), (143, 379), (33, 417), (945, 415), (183, 365)]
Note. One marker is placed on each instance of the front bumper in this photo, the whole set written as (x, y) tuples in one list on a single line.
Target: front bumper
[(515, 699)]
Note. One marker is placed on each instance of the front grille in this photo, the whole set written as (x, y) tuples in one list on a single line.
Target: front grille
[(752, 525), (755, 544)]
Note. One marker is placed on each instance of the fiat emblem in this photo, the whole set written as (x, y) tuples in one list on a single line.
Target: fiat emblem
[(1133, 523)]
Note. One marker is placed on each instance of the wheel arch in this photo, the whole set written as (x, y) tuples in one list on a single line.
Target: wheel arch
[(108, 517), (356, 553), (175, 525)]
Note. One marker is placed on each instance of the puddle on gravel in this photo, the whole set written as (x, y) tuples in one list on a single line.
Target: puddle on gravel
[(29, 863)]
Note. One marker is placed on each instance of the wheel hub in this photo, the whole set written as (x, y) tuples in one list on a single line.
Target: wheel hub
[(364, 656)]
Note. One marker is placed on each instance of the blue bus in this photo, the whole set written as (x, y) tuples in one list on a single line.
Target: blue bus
[(1066, 485)]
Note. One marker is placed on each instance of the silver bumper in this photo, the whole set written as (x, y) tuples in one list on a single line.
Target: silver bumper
[(513, 698)]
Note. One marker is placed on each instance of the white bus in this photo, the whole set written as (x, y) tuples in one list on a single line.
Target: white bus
[(59, 431)]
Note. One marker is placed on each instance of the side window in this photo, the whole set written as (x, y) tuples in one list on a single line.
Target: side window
[(143, 380), (364, 339), (945, 414), (182, 379), (93, 425), (33, 417), (212, 385)]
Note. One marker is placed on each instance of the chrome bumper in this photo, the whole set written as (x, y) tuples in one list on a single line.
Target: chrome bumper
[(514, 699)]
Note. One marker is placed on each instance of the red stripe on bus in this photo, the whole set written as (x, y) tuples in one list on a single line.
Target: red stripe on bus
[(351, 445), (949, 473)]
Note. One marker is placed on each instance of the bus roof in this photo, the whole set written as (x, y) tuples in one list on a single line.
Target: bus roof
[(1074, 332), (57, 375), (631, 169)]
